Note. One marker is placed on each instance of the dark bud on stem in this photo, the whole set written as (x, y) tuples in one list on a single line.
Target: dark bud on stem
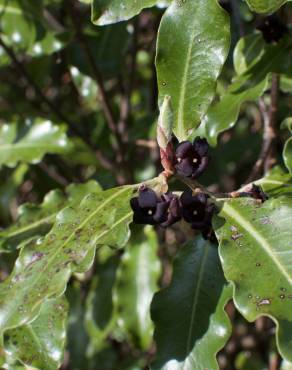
[(257, 192), (151, 209), (197, 212), (191, 160), (272, 29)]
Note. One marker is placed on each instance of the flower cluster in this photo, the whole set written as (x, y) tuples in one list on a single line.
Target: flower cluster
[(166, 209)]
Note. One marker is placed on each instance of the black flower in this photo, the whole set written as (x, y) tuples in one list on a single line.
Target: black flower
[(197, 211), (191, 160), (151, 209), (272, 29), (258, 193)]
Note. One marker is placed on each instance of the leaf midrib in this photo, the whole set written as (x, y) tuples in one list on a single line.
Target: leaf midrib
[(196, 297), (255, 234), (52, 258)]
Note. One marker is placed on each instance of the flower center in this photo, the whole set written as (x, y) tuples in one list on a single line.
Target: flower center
[(179, 160), (150, 212), (195, 213), (195, 160)]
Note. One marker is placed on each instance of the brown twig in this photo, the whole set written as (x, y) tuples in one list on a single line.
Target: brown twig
[(53, 174), (267, 157)]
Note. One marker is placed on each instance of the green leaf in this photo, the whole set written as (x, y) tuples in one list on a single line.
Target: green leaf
[(265, 6), (276, 183), (193, 43), (28, 143), (247, 87), (113, 11), (41, 343), (17, 25), (247, 52), (43, 269), (37, 220), (99, 317), (223, 115), (255, 250), (136, 284), (191, 325), (287, 154)]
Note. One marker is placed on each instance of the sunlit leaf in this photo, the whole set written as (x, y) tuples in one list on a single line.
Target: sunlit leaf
[(255, 249), (193, 43), (112, 11), (43, 268), (38, 219), (29, 142), (265, 6), (41, 343)]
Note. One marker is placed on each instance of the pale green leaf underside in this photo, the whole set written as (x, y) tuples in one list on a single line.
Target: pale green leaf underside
[(112, 11), (41, 343), (29, 143), (265, 6), (43, 268), (192, 46), (256, 253), (190, 323)]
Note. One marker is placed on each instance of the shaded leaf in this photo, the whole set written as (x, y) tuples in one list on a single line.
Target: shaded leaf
[(191, 325), (41, 343), (38, 219), (287, 154), (43, 268), (193, 43), (250, 86), (265, 6), (259, 236), (30, 142), (113, 11), (247, 52), (136, 284), (99, 316)]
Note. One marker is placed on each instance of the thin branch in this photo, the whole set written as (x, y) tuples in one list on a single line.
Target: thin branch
[(267, 157), (105, 162), (53, 174), (77, 19)]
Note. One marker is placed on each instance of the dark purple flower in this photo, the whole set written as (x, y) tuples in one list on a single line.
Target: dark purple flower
[(258, 193), (272, 29), (191, 160), (197, 211), (151, 209)]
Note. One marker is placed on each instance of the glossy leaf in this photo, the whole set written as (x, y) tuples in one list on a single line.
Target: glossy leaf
[(276, 183), (259, 236), (136, 284), (29, 143), (99, 315), (265, 6), (193, 43), (41, 343), (248, 52), (43, 268), (36, 220), (191, 325), (287, 154), (113, 11), (247, 87)]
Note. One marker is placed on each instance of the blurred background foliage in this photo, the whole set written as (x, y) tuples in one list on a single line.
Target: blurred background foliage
[(63, 81)]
